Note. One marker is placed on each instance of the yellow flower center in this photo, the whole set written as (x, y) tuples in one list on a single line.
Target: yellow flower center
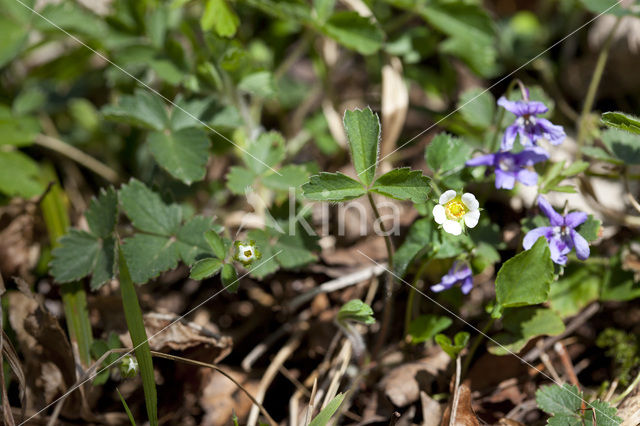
[(455, 209), (247, 253)]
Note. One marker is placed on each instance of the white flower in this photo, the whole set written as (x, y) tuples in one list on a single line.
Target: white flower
[(129, 366), (246, 253), (453, 210)]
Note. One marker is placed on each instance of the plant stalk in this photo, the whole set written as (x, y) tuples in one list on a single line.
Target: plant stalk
[(388, 302), (474, 346), (408, 315), (593, 86)]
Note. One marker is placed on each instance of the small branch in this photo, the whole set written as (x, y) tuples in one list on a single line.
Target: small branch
[(78, 156)]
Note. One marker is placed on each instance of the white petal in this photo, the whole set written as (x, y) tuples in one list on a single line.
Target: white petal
[(447, 196), (452, 227), (471, 218), (439, 214), (470, 201)]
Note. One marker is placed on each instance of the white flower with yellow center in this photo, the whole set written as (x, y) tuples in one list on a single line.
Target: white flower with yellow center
[(246, 253), (453, 211)]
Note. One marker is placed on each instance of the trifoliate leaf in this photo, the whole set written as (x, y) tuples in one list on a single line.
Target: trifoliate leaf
[(144, 109), (102, 213), (149, 255), (332, 187), (363, 132), (239, 179), (205, 268), (525, 278), (356, 310), (477, 107), (147, 211), (445, 153), (291, 176), (355, 32), (184, 153), (264, 153), (425, 327), (19, 175), (216, 243), (229, 278), (220, 17), (523, 324), (403, 184)]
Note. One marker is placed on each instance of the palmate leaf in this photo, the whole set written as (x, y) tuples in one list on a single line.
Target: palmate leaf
[(82, 253), (332, 187), (183, 153), (363, 132), (166, 240), (403, 184)]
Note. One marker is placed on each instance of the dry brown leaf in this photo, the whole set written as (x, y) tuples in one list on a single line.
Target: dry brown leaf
[(464, 414), (431, 410), (18, 251), (509, 422), (204, 343), (395, 102), (221, 397), (49, 363), (402, 385)]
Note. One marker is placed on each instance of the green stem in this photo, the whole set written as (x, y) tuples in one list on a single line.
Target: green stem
[(593, 86), (627, 391), (388, 302), (408, 315), (475, 345)]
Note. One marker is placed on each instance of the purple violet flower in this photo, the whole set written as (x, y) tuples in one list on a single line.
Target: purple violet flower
[(459, 273), (561, 235), (510, 167), (527, 125)]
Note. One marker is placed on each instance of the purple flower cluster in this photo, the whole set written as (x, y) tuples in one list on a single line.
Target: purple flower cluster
[(510, 167), (561, 235), (460, 273)]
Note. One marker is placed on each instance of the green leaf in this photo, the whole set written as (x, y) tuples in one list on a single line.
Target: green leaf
[(363, 131), (355, 32), (219, 17), (590, 229), (17, 130), (622, 121), (144, 109), (602, 6), (477, 107), (266, 152), (294, 249), (453, 348), (556, 400), (259, 84), (525, 278), (139, 339), (618, 284), (332, 187), (19, 175), (575, 168), (425, 327), (291, 176), (205, 268), (445, 153), (184, 154), (323, 417), (126, 408), (147, 211), (624, 145), (484, 255), (15, 29), (102, 213), (239, 179), (216, 243), (190, 241), (149, 256), (229, 278), (356, 310), (403, 184), (578, 288), (523, 324), (323, 9), (605, 415)]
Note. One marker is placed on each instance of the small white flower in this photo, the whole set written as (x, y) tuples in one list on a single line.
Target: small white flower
[(129, 367), (246, 252), (453, 210)]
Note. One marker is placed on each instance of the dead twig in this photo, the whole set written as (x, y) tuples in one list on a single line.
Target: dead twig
[(456, 393)]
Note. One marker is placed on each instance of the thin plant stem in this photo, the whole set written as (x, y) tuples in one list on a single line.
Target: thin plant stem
[(408, 316), (476, 344), (627, 391), (388, 302), (593, 86)]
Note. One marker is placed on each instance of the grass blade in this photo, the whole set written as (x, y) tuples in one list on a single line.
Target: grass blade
[(126, 408), (325, 415), (135, 324)]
